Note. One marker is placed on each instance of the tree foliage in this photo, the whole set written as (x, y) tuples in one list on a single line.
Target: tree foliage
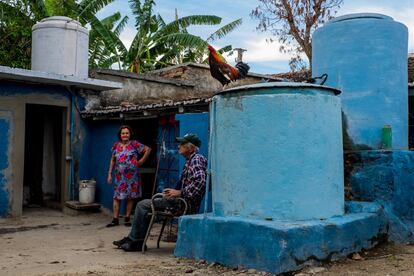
[(16, 20), (18, 16), (156, 44), (105, 46), (200, 54), (292, 22)]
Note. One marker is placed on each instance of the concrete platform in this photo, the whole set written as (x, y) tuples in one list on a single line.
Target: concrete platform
[(75, 208), (280, 246)]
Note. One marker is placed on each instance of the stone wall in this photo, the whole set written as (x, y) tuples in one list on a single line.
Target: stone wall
[(176, 83)]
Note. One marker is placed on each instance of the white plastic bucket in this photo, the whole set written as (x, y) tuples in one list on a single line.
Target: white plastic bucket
[(87, 191)]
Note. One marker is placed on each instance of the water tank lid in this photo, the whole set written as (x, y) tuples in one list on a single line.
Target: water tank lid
[(270, 85), (62, 22), (360, 16)]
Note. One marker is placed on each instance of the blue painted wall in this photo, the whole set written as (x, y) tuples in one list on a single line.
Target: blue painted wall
[(167, 152), (171, 162), (86, 151), (274, 147), (11, 89), (19, 90), (387, 177), (197, 123), (95, 158), (100, 136), (4, 164), (365, 56)]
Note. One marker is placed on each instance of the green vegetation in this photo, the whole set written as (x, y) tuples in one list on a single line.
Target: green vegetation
[(156, 44)]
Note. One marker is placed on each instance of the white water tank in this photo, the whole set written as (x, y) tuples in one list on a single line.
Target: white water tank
[(60, 45)]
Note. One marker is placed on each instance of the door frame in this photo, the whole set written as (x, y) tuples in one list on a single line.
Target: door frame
[(17, 105)]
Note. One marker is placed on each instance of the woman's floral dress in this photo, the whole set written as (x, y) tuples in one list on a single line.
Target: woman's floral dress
[(127, 174)]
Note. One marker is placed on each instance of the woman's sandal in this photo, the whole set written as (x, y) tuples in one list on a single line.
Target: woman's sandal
[(114, 222), (127, 221)]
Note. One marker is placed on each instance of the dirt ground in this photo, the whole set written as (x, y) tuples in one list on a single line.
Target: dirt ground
[(47, 242)]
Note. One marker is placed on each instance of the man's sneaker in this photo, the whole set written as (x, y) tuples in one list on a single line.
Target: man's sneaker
[(121, 241), (130, 246)]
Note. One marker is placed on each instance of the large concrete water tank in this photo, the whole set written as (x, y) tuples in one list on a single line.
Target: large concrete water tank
[(365, 56), (60, 45), (276, 152)]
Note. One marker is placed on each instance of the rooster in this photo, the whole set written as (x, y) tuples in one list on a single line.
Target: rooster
[(224, 72)]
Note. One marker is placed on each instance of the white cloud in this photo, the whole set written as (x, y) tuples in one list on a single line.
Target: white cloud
[(407, 18), (262, 51)]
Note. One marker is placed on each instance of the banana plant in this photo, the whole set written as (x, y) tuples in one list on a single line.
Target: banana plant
[(200, 54), (155, 40), (18, 17), (103, 53)]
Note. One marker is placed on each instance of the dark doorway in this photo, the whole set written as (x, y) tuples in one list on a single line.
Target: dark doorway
[(43, 156), (145, 131)]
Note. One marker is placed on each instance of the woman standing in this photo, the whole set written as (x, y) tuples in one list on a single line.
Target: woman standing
[(127, 156)]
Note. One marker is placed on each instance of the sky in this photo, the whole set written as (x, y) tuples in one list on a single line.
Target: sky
[(261, 55)]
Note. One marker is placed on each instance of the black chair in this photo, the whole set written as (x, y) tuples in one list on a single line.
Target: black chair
[(165, 215)]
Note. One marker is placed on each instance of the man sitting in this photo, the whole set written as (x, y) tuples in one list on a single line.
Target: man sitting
[(191, 188)]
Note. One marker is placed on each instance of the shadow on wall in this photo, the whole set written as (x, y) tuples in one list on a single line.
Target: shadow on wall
[(350, 159)]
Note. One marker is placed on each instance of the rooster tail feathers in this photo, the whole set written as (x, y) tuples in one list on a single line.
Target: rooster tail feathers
[(243, 69)]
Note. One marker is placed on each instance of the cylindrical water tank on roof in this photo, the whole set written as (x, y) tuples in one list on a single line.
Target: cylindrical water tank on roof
[(60, 45), (276, 152), (365, 56)]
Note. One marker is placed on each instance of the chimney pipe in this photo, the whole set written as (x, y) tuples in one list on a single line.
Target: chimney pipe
[(239, 51)]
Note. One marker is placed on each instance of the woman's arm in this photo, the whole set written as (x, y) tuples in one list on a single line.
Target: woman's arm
[(146, 151), (111, 166)]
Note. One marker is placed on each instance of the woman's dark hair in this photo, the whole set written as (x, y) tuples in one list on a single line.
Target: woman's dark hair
[(131, 133)]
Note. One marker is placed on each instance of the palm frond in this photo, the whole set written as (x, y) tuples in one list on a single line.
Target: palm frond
[(112, 42), (187, 21), (135, 6), (160, 21), (226, 29), (110, 21), (88, 8), (142, 13), (183, 39), (121, 25), (107, 63), (225, 49)]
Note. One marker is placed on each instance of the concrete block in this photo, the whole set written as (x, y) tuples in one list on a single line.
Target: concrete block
[(279, 246)]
